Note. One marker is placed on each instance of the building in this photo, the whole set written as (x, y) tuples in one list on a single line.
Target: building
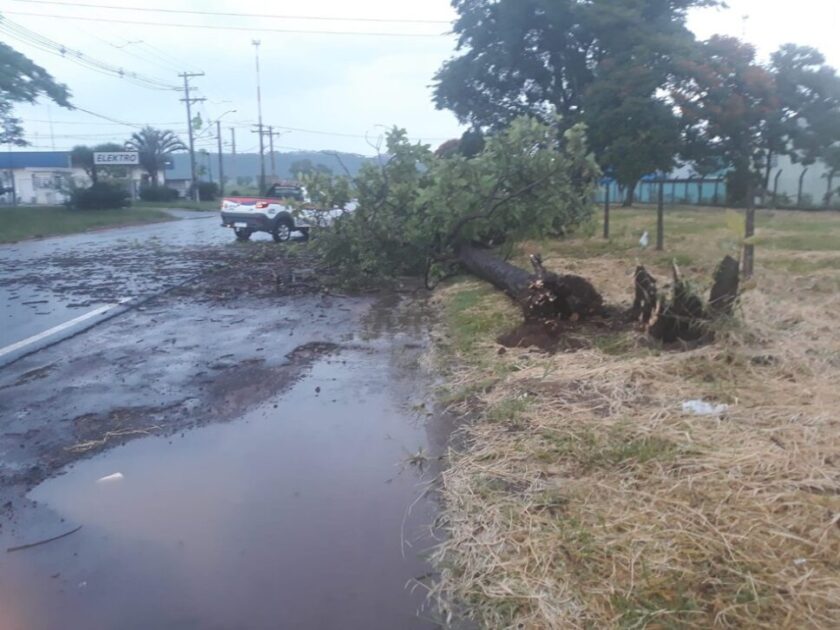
[(47, 177), (36, 177)]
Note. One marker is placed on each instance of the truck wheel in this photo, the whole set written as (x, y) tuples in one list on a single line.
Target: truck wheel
[(282, 231), (242, 234)]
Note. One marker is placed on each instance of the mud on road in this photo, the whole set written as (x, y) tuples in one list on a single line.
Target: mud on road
[(232, 331)]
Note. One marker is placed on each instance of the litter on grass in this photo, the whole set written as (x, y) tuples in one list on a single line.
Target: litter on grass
[(703, 408)]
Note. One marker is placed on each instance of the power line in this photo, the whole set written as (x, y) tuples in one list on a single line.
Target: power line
[(32, 38), (221, 27), (240, 14), (94, 124)]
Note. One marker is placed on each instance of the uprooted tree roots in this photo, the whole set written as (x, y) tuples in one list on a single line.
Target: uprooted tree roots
[(550, 299), (685, 317)]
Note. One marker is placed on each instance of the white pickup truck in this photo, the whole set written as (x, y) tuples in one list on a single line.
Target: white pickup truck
[(275, 213)]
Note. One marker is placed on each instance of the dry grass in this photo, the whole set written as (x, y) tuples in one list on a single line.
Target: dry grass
[(585, 496)]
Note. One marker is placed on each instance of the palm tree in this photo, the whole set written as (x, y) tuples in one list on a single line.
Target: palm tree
[(154, 146)]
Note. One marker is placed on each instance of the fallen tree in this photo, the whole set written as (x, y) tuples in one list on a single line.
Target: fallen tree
[(542, 294), (425, 213)]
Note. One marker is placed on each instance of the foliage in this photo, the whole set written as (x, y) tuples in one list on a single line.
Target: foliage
[(299, 168), (207, 191), (99, 196), (158, 193), (604, 62), (81, 156), (415, 209), (23, 81), (154, 146), (726, 99)]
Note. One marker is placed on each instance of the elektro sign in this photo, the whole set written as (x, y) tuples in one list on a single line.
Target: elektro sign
[(116, 158)]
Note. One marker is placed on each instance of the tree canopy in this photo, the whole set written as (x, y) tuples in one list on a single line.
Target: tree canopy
[(415, 208), (649, 92), (602, 61), (154, 146), (23, 81)]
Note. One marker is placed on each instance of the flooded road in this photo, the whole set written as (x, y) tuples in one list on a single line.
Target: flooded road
[(303, 513)]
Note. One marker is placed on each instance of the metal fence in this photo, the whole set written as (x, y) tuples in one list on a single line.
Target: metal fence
[(697, 192)]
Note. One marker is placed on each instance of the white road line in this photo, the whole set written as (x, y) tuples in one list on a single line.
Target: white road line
[(56, 329)]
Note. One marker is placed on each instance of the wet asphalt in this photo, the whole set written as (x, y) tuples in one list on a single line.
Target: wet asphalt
[(276, 454), (46, 282)]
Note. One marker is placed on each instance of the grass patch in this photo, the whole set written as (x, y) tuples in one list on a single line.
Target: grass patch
[(597, 502), (803, 265), (476, 314), (182, 204), (28, 222), (824, 241)]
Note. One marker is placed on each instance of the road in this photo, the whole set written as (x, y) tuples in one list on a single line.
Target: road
[(50, 281), (274, 443)]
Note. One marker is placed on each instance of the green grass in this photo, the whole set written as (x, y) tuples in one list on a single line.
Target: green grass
[(475, 315), (29, 222), (182, 204)]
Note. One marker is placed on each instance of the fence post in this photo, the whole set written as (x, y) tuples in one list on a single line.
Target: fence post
[(749, 232), (801, 184), (607, 212), (660, 217)]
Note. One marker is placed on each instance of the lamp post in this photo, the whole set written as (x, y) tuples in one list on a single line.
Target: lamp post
[(256, 44)]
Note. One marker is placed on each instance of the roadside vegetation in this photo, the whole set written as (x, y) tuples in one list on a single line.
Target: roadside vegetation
[(32, 222), (586, 497), (182, 204)]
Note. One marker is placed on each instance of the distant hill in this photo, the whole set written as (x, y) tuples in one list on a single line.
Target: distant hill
[(247, 165)]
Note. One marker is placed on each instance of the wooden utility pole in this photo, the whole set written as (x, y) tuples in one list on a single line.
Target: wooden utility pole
[(271, 134), (749, 232), (660, 217), (607, 211), (233, 154), (189, 101), (221, 168)]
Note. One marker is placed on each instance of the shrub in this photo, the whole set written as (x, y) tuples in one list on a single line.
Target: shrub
[(207, 191), (158, 193), (100, 196)]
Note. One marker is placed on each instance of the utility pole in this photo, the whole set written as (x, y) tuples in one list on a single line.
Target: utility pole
[(221, 171), (189, 101), (271, 134), (256, 44), (233, 154)]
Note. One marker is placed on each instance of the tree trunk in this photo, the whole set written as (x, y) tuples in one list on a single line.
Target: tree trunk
[(684, 317), (501, 274), (543, 295), (630, 197)]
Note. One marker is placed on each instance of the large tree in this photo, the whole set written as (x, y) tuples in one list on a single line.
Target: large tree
[(23, 81), (728, 102), (806, 125), (154, 147), (603, 61)]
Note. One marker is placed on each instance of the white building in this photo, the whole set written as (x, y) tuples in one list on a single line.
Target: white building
[(46, 177)]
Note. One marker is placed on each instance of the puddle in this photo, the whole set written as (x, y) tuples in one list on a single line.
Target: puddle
[(295, 516)]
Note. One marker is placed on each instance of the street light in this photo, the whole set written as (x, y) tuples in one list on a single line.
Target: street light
[(256, 44)]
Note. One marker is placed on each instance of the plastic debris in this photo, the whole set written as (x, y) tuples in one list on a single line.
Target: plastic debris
[(109, 478), (645, 240), (703, 408)]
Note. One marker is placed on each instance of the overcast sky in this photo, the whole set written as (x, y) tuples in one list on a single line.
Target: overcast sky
[(346, 87)]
